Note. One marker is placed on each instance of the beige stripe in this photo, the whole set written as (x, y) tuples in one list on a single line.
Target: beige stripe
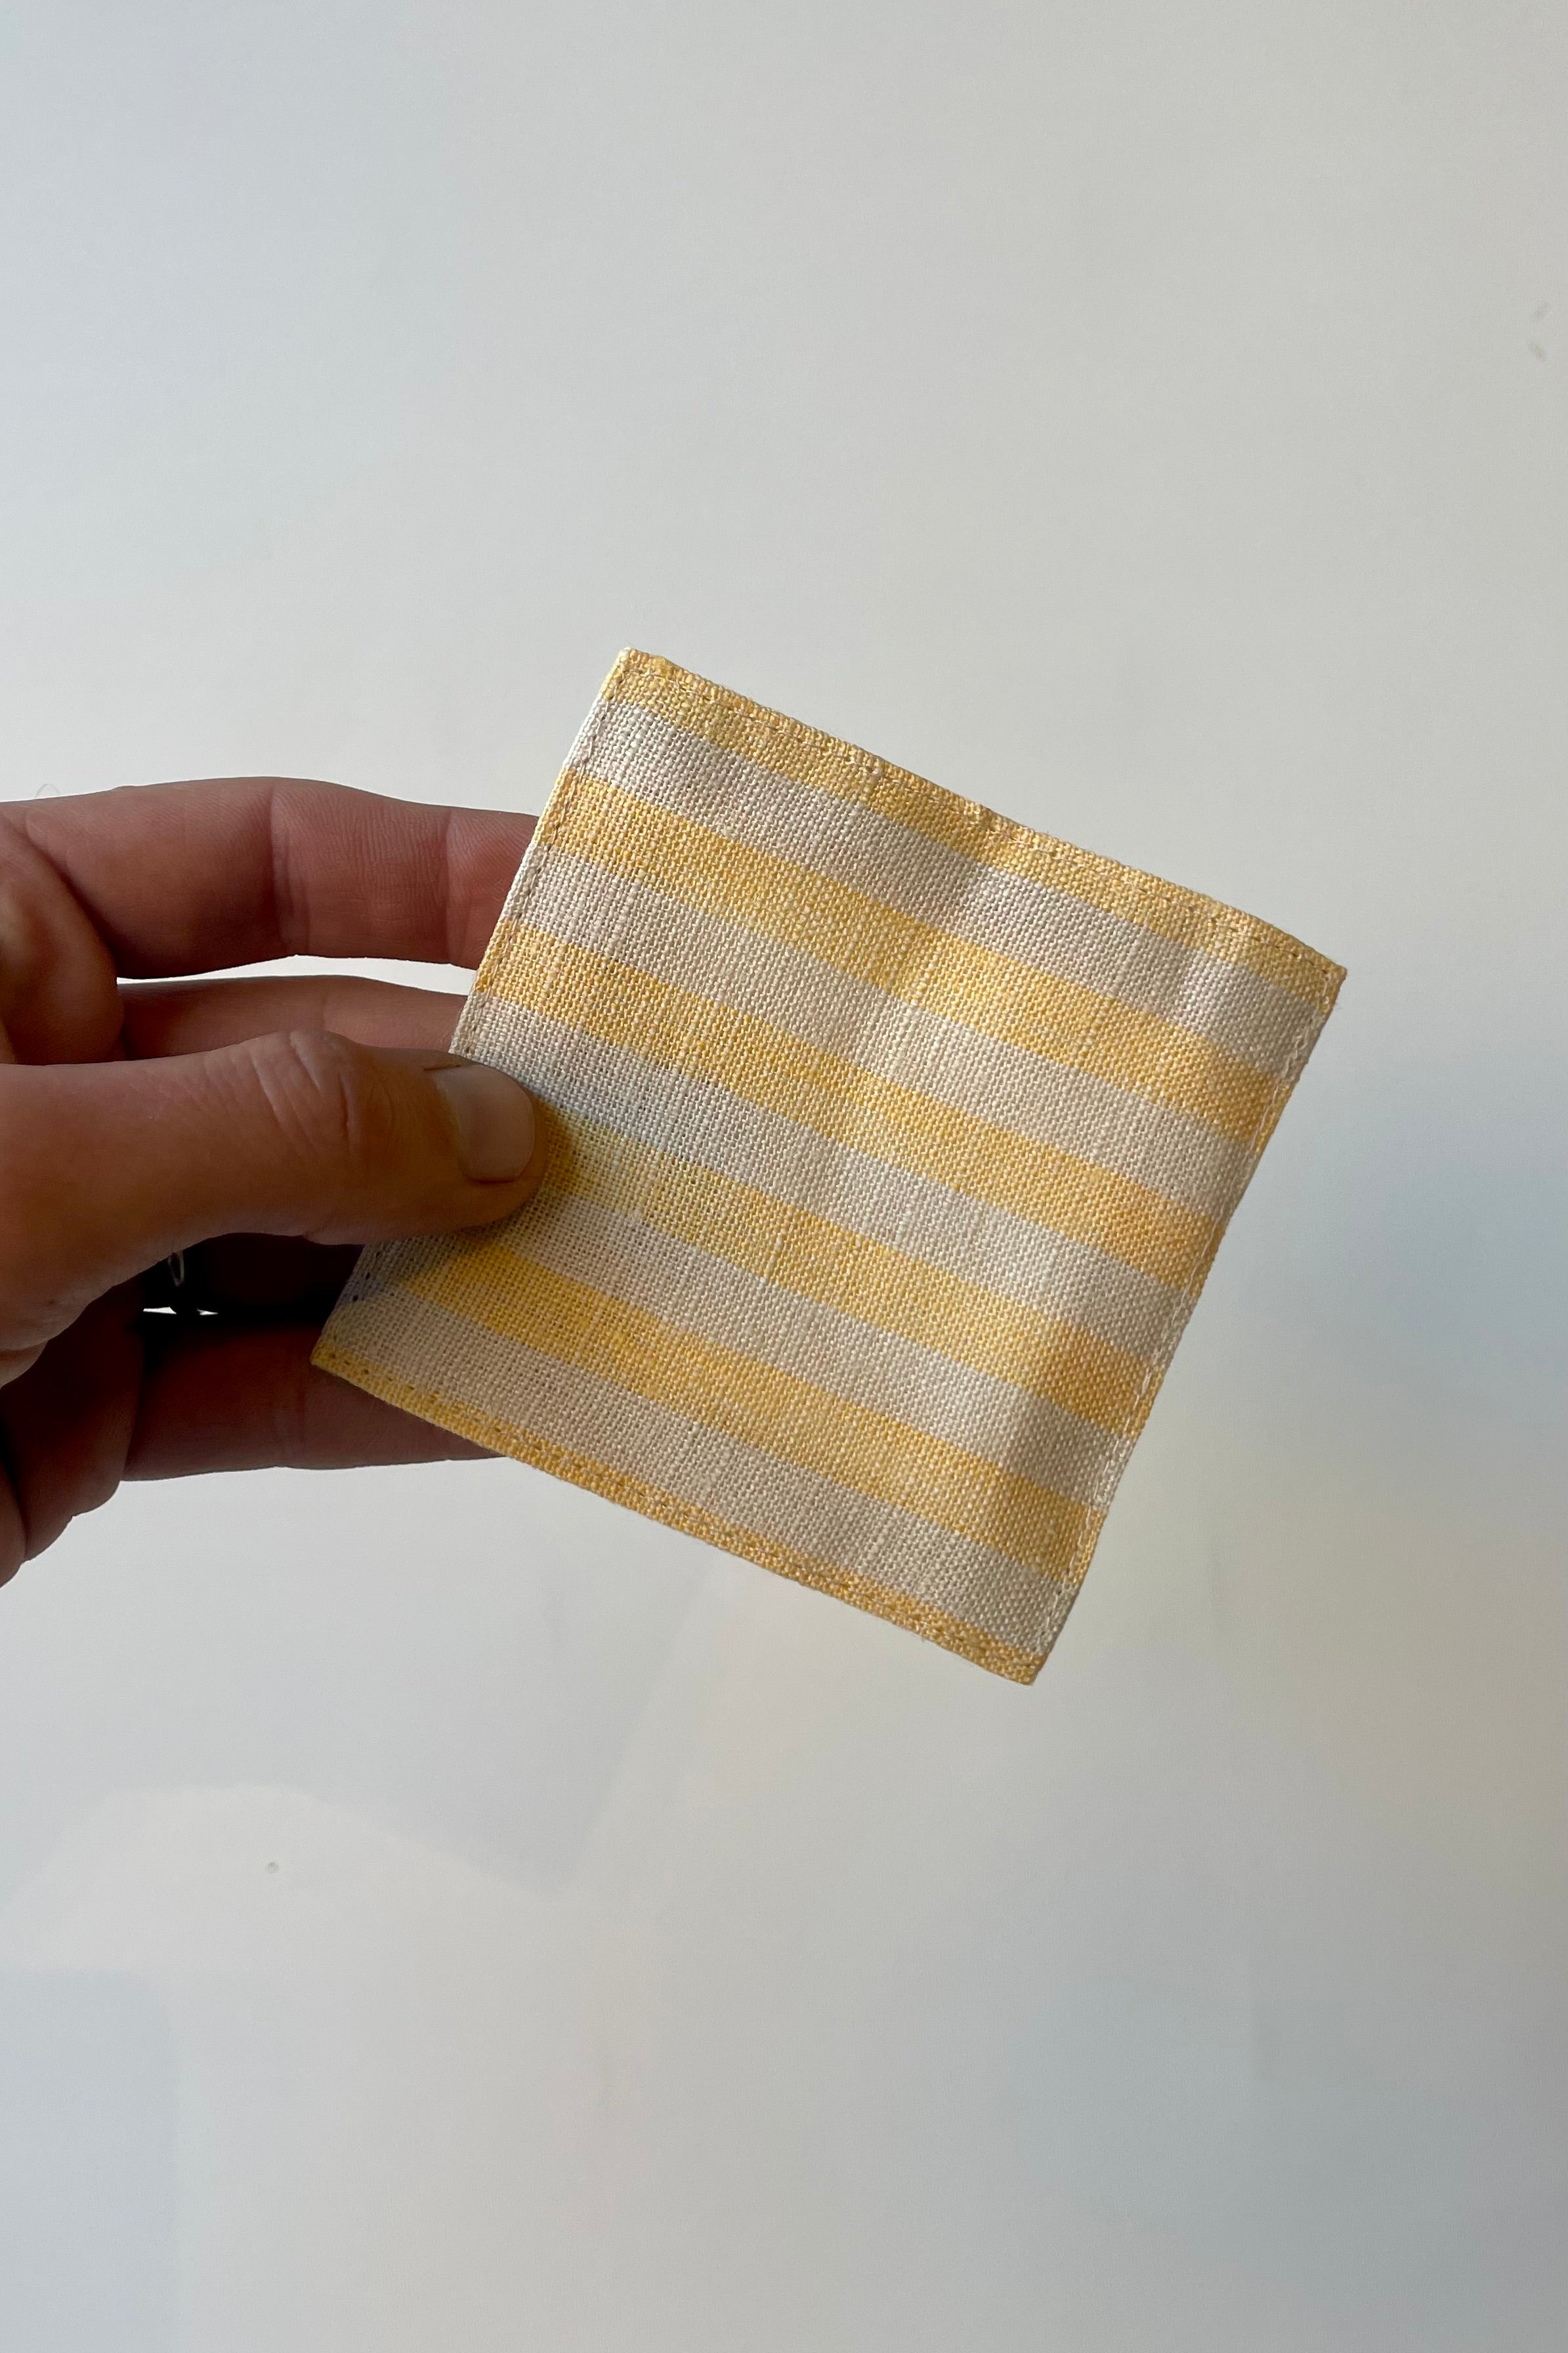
[(773, 1411), (807, 757), (985, 1078), (1251, 1018), (791, 1247), (540, 1404), (853, 1107), (711, 1298), (958, 979), (912, 1217)]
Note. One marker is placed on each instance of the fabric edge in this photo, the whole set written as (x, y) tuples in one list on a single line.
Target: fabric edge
[(933, 1625), (1315, 978)]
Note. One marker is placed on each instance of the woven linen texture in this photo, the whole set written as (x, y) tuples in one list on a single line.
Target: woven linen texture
[(889, 1146)]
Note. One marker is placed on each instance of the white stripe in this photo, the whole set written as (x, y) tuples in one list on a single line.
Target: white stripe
[(615, 915), (708, 1296), (712, 1128)]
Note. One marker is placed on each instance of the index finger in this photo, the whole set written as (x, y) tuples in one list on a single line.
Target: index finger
[(190, 877)]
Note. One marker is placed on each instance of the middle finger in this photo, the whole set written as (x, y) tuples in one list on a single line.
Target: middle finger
[(192, 1017)]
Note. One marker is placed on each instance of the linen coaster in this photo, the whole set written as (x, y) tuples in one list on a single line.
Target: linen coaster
[(889, 1146)]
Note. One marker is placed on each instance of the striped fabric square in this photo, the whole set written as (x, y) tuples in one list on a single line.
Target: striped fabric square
[(889, 1146)]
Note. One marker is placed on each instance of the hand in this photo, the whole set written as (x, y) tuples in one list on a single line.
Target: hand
[(260, 1127)]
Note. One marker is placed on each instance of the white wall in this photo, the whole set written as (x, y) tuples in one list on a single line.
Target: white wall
[(437, 1910)]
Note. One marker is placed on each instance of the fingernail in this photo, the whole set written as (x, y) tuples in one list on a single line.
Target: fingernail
[(494, 1120)]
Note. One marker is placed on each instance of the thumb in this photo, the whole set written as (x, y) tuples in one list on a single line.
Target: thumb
[(106, 1167)]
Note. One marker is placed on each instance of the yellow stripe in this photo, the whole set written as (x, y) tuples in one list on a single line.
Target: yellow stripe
[(849, 1106), (656, 1503), (809, 757), (957, 979), (1042, 1354), (518, 1299)]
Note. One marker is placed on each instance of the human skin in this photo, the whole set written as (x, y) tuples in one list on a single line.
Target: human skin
[(263, 1127)]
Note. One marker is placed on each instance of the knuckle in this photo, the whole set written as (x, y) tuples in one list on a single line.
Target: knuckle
[(327, 1094), (57, 998), (335, 1105)]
